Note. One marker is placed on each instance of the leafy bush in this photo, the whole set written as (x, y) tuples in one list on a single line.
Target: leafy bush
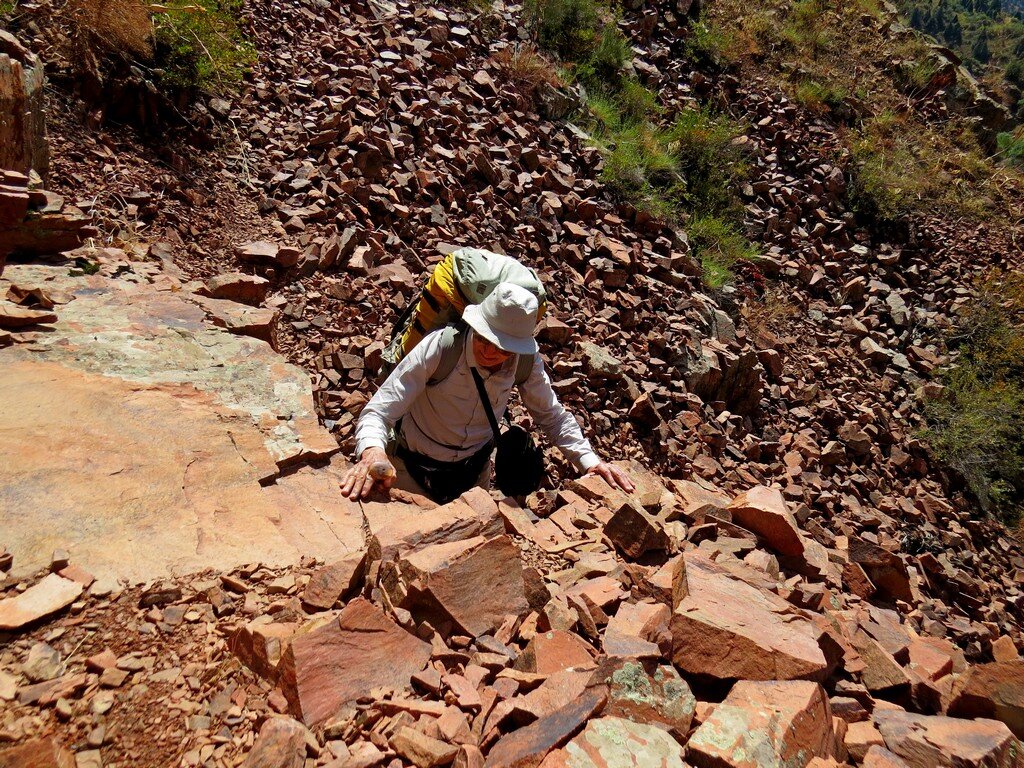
[(708, 158), (887, 177), (805, 30), (1011, 148), (199, 44), (719, 245), (977, 426), (818, 97), (566, 27), (640, 169)]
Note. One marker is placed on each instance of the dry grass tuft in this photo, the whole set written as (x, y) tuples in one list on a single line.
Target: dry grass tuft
[(101, 27), (527, 68)]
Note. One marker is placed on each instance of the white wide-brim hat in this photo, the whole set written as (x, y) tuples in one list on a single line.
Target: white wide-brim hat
[(507, 318)]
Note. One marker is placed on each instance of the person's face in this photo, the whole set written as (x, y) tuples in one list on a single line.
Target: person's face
[(487, 354)]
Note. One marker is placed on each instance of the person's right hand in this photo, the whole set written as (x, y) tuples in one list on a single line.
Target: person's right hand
[(358, 482)]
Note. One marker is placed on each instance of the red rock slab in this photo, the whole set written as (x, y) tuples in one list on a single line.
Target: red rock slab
[(933, 741), (661, 697), (281, 744), (880, 757), (550, 652), (38, 601), (635, 532), (37, 753), (550, 695), (727, 629), (880, 669), (333, 581), (396, 527), (994, 691), (931, 656), (15, 316), (260, 644), (341, 661), (765, 512), (613, 742), (773, 724), (642, 620), (475, 584), (527, 747)]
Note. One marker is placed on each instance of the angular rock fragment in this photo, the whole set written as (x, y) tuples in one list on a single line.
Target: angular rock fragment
[(613, 742), (38, 601), (325, 668), (237, 286), (281, 744), (395, 527), (260, 644), (550, 652), (727, 629), (776, 724), (994, 691), (527, 747), (933, 741), (474, 583), (333, 581), (635, 532), (764, 511), (421, 750)]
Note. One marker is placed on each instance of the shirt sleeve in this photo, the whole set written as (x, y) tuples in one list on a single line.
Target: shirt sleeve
[(397, 393), (558, 425)]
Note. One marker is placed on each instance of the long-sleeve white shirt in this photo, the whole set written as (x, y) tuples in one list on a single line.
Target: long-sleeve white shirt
[(446, 421)]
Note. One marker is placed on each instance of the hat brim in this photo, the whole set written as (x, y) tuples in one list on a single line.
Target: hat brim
[(516, 344)]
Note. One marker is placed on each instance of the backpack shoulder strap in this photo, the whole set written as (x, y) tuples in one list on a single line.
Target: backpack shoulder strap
[(451, 348), (524, 365)]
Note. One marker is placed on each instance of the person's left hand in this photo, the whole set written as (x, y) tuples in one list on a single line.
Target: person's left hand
[(615, 477)]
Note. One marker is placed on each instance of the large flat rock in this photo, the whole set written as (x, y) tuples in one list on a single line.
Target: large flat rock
[(141, 440)]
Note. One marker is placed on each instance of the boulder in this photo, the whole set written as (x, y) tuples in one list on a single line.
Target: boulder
[(395, 527), (772, 724), (993, 691), (421, 750), (880, 757), (634, 532), (613, 742), (764, 511), (661, 697), (37, 753), (527, 747), (337, 663), (473, 584), (281, 744), (38, 601), (727, 629), (933, 741), (885, 569), (333, 581), (238, 286)]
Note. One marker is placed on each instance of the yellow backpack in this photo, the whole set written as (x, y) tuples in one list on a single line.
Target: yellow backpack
[(466, 276)]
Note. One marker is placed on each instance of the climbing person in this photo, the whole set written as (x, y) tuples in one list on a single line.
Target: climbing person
[(439, 404)]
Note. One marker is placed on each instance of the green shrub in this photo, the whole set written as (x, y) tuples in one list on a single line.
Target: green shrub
[(887, 177), (199, 45), (601, 70), (6, 8), (805, 29), (818, 97), (708, 44), (719, 245), (709, 159), (565, 27), (640, 170), (977, 426), (1011, 148)]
